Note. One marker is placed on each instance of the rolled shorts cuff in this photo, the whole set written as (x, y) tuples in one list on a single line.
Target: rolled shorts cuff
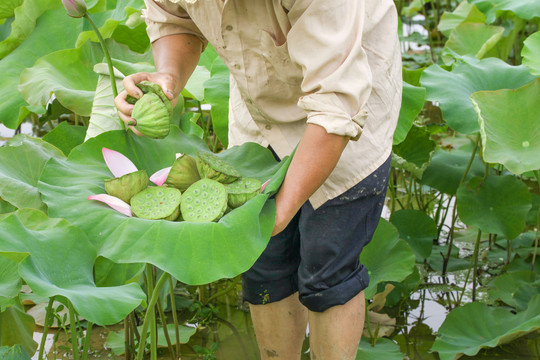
[(337, 295), (257, 293)]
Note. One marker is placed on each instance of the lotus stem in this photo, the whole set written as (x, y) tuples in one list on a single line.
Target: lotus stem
[(48, 318), (475, 263), (175, 317), (148, 317), (454, 210), (165, 329), (107, 58), (73, 331), (537, 174), (87, 340)]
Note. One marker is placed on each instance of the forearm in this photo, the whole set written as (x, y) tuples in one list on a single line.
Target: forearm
[(316, 156), (177, 55)]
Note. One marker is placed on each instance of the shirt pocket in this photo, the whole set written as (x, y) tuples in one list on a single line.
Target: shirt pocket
[(278, 64)]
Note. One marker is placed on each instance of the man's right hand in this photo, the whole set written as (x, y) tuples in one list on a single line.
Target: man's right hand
[(169, 84)]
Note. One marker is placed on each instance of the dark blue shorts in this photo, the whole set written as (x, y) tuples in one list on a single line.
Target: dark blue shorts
[(318, 253)]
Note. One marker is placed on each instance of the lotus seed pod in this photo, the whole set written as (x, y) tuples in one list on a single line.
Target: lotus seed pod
[(150, 87), (152, 116), (156, 202), (213, 167), (242, 190), (124, 187), (183, 173), (204, 201)]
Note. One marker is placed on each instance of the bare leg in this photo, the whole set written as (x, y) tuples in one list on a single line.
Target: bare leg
[(335, 334), (280, 328)]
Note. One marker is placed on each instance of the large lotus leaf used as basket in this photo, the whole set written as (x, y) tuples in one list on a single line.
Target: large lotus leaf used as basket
[(194, 253)]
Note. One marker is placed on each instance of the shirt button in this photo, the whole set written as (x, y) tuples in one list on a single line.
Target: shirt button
[(268, 127), (228, 27)]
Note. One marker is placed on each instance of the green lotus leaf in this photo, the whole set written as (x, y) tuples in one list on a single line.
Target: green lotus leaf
[(16, 329), (16, 352), (10, 281), (21, 163), (194, 253), (474, 39), (418, 229), (411, 105), (525, 9), (510, 133), (384, 349), (513, 287), (65, 136), (24, 22), (53, 24), (475, 326), (7, 8), (498, 204), (387, 257), (464, 13), (531, 53), (415, 152), (447, 168), (60, 262), (452, 89)]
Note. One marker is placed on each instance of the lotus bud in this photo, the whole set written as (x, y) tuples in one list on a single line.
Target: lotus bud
[(75, 8)]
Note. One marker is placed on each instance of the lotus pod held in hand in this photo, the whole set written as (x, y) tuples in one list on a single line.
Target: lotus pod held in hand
[(152, 116), (213, 167), (156, 202), (204, 201), (183, 173), (242, 190), (150, 87), (125, 186)]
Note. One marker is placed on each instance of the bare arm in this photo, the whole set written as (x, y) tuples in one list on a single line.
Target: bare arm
[(175, 58), (316, 156)]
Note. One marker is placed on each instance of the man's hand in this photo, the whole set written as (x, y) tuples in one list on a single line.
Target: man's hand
[(169, 84)]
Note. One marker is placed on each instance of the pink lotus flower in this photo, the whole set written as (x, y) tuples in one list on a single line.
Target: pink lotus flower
[(75, 8)]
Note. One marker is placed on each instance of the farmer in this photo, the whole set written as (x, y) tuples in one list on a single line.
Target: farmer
[(323, 75)]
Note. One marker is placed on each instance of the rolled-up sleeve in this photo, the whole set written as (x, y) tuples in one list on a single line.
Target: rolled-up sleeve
[(325, 40), (164, 18)]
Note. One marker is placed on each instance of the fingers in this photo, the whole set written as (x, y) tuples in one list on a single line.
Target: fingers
[(130, 83)]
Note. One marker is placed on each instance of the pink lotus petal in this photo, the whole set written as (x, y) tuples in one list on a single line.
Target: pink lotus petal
[(160, 176), (113, 202), (118, 163), (264, 185)]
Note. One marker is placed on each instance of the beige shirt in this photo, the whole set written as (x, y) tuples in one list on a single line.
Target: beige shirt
[(334, 63)]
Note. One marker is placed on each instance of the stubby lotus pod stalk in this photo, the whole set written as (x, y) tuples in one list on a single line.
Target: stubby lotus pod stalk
[(183, 173), (240, 191), (124, 187), (213, 167), (155, 203), (75, 8), (204, 201), (152, 116)]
